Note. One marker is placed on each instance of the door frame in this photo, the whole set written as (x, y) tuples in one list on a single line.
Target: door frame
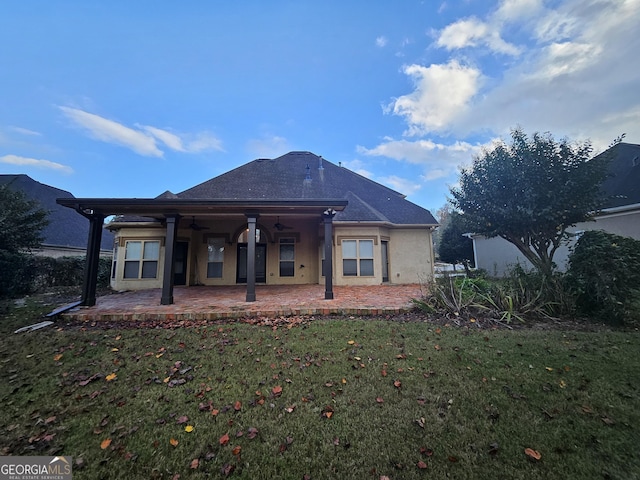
[(242, 250)]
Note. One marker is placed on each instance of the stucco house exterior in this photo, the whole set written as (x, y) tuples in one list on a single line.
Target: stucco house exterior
[(295, 219), (620, 215)]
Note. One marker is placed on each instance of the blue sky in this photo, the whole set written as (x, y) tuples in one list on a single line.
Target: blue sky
[(129, 99)]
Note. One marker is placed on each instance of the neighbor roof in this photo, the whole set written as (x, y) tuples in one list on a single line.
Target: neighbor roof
[(305, 176), (66, 228), (623, 185)]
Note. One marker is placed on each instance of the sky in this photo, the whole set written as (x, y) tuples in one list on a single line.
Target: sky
[(130, 99)]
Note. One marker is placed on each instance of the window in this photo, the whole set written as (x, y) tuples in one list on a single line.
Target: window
[(141, 259), (114, 263), (357, 258), (215, 257), (287, 257)]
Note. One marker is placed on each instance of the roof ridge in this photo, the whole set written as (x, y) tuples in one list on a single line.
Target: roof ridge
[(373, 210)]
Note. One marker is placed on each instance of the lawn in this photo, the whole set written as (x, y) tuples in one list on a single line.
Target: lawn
[(333, 398)]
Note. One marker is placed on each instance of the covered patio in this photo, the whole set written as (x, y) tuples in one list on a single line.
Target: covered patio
[(220, 302)]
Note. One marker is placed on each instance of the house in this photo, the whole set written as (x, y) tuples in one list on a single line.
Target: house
[(620, 216), (67, 232), (295, 219)]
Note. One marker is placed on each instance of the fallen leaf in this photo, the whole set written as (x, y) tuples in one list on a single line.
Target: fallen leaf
[(182, 419), (195, 463), (548, 369), (437, 347), (351, 342), (277, 391), (252, 433), (111, 377), (227, 469), (422, 465), (532, 454), (56, 358), (188, 428), (236, 450), (383, 373), (173, 442), (215, 412), (379, 400), (426, 451), (237, 406), (115, 350), (397, 384), (224, 439), (105, 443)]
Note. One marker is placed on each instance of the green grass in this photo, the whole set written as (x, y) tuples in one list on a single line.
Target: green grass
[(468, 402)]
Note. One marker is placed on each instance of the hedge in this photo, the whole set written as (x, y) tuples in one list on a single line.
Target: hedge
[(24, 274)]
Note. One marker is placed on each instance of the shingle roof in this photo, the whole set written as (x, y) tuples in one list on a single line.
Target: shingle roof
[(624, 183), (283, 178), (67, 228)]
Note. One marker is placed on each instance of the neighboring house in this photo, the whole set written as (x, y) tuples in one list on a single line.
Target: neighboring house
[(620, 216), (277, 221), (67, 232)]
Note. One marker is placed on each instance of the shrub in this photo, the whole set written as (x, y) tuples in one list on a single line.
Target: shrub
[(23, 273), (604, 276)]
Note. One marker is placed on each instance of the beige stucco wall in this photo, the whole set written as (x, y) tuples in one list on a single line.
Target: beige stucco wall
[(120, 284), (411, 256), (410, 253)]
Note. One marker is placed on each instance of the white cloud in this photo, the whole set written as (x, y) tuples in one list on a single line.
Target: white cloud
[(268, 146), (357, 166), (402, 185), (203, 141), (512, 10), (32, 162), (113, 132), (441, 93), (171, 140), (472, 32), (25, 131), (437, 160), (381, 41), (144, 139)]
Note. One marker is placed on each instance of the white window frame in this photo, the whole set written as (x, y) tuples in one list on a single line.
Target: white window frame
[(143, 263), (215, 242), (360, 260)]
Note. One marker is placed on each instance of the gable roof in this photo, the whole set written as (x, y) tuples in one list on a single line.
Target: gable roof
[(623, 185), (67, 228), (305, 176)]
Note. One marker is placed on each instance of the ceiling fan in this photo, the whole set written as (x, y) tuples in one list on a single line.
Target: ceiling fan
[(195, 226), (279, 226)]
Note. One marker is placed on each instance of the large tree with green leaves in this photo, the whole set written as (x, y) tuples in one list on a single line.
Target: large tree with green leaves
[(530, 191), (454, 247), (21, 221)]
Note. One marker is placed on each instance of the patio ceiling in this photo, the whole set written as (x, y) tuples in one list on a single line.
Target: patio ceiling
[(160, 208)]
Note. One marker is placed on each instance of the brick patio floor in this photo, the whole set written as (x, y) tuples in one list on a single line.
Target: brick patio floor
[(210, 303)]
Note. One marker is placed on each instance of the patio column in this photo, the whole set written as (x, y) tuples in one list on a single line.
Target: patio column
[(169, 259), (251, 257), (96, 221), (328, 215)]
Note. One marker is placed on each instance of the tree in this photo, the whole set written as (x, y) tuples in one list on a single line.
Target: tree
[(21, 221), (454, 247), (531, 191)]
